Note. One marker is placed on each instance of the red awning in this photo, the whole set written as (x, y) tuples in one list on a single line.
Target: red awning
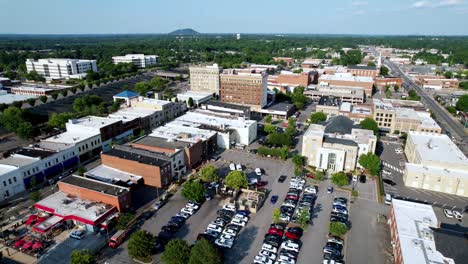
[(31, 219), (41, 219), (19, 243), (37, 245)]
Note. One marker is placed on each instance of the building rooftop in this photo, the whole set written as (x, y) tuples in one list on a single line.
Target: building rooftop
[(94, 185), (141, 156), (64, 205), (381, 105), (227, 105), (342, 141), (131, 113), (126, 94), (329, 101), (7, 98), (339, 125), (436, 147), (406, 113), (57, 60), (93, 121), (413, 223), (35, 152), (16, 161), (71, 137), (182, 132), (362, 67), (110, 175), (282, 106), (344, 77), (214, 120), (195, 95), (436, 170), (161, 142)]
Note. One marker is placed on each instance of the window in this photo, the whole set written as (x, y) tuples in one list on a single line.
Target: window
[(4, 183), (9, 181), (14, 179), (331, 161)]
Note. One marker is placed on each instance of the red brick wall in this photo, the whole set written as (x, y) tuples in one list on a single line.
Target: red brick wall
[(123, 202), (152, 148), (302, 79), (151, 174)]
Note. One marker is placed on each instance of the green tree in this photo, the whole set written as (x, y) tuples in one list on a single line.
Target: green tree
[(24, 130), (269, 128), (268, 118), (203, 252), (303, 218), (291, 129), (371, 63), (190, 102), (142, 88), (35, 196), (81, 257), (11, 117), (81, 171), (276, 215), (413, 96), (371, 162), (448, 74), (317, 117), (123, 220), (141, 245), (209, 173), (279, 139), (177, 251), (396, 88), (384, 70), (319, 175), (462, 103), (43, 98), (31, 101), (370, 124), (340, 179), (58, 120), (338, 229), (34, 76), (298, 98), (193, 190), (236, 180), (298, 160)]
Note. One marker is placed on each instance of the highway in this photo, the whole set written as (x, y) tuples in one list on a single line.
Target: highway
[(443, 117)]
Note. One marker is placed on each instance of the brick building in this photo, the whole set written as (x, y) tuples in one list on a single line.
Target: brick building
[(288, 61), (346, 79), (365, 71), (244, 88), (381, 82)]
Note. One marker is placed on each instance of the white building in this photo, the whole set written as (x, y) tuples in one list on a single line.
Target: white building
[(204, 78), (197, 97), (337, 145), (139, 60), (61, 68)]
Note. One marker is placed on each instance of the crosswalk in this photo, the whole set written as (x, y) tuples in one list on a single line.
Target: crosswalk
[(388, 165)]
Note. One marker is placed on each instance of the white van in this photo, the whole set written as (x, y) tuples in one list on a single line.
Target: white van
[(388, 199)]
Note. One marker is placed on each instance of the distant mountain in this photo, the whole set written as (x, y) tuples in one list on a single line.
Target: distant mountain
[(184, 31)]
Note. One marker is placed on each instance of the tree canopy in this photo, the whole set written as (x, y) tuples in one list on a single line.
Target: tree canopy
[(369, 123), (209, 173), (236, 180), (141, 244), (371, 162), (203, 252), (193, 190), (81, 257), (462, 103), (318, 117), (340, 179), (338, 228), (177, 251), (58, 120)]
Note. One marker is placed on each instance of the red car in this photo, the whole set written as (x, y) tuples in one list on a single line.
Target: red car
[(291, 235), (261, 184), (275, 231), (312, 176), (293, 197)]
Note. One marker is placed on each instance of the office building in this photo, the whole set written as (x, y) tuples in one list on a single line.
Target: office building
[(382, 82), (365, 71), (61, 68), (205, 79), (345, 94), (244, 88), (166, 110), (439, 84), (347, 80), (139, 60), (337, 144), (435, 163), (418, 236), (231, 109), (332, 106)]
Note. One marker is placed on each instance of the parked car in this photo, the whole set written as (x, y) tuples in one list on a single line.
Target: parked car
[(457, 214), (261, 184), (229, 207), (258, 171), (262, 260), (330, 189), (232, 166), (362, 178), (239, 167), (274, 199), (289, 245), (77, 234), (269, 248), (282, 178), (389, 182), (448, 213)]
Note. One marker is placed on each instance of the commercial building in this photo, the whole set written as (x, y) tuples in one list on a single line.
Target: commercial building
[(244, 88), (198, 98), (154, 168), (296, 79), (280, 110), (8, 98), (332, 106), (366, 71), (231, 109), (85, 202), (37, 90), (312, 63), (347, 80), (230, 129), (139, 60), (439, 84), (337, 144), (402, 119), (435, 163), (113, 176), (286, 60), (345, 94), (61, 68), (167, 110), (419, 237), (382, 82), (137, 119), (205, 79)]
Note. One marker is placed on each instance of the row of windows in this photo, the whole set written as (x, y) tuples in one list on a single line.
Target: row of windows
[(9, 181), (48, 164), (386, 115), (384, 119), (93, 143)]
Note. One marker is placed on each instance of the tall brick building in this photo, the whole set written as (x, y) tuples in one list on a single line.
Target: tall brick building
[(244, 88)]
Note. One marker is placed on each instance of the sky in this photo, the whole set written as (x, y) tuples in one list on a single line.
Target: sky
[(382, 17)]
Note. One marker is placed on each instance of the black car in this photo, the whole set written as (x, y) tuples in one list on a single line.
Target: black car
[(237, 228), (169, 228), (278, 226), (362, 178), (227, 213), (175, 224), (336, 246), (282, 178), (389, 182), (166, 235), (335, 218), (341, 199), (178, 219), (271, 242), (296, 230)]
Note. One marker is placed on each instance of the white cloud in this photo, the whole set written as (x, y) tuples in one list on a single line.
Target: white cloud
[(449, 3), (441, 3), (358, 3), (421, 4)]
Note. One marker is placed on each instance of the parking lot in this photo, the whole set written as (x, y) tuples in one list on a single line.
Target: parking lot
[(394, 164)]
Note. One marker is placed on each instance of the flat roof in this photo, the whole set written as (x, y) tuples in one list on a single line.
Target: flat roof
[(5, 168), (17, 161), (161, 142), (451, 241), (227, 105), (139, 155), (182, 132), (343, 141), (213, 119), (414, 222), (195, 95), (95, 185), (111, 175), (344, 77), (406, 113), (152, 101), (71, 137), (437, 170), (94, 121), (131, 113), (362, 67), (35, 152), (282, 106), (437, 147), (10, 98), (64, 205)]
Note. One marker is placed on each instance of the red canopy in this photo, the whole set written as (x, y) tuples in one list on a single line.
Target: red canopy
[(19, 243), (27, 245), (41, 219), (31, 219), (37, 245)]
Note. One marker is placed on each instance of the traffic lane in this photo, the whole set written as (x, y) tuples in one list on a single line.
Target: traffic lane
[(367, 240)]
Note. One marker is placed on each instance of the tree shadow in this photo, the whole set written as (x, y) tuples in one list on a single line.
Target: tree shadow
[(242, 246), (317, 209)]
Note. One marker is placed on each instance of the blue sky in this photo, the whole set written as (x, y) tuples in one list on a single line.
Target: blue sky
[(441, 17)]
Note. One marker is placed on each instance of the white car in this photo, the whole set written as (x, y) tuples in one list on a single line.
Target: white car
[(298, 180), (227, 237), (193, 205), (258, 171), (269, 248), (268, 254), (457, 214), (448, 213), (262, 260), (184, 215), (289, 204), (241, 217), (188, 210), (224, 242), (335, 240), (339, 203), (341, 211), (310, 189), (230, 232), (239, 167), (285, 218), (286, 259), (252, 181), (288, 245), (214, 228), (238, 222), (77, 234), (355, 178), (229, 207), (232, 166)]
